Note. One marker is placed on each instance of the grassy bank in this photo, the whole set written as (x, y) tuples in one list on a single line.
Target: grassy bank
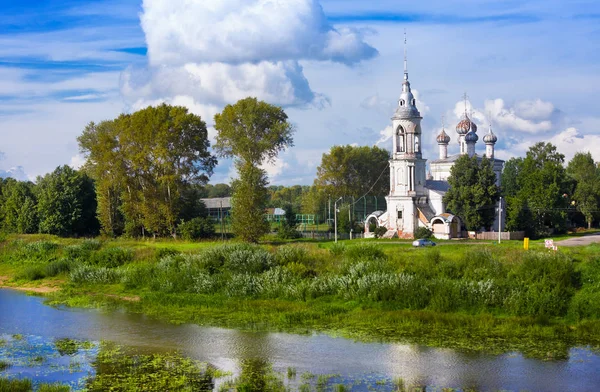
[(484, 297)]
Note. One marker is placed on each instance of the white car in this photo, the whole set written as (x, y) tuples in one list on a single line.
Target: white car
[(423, 242)]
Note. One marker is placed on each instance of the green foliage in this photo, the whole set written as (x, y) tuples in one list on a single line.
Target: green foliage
[(18, 207), (14, 385), (94, 275), (197, 228), (473, 193), (423, 232), (252, 132), (144, 164), (249, 203), (58, 267), (586, 174), (537, 201), (53, 388), (111, 257), (380, 231), (118, 371), (256, 375), (66, 203), (351, 171), (287, 230), (32, 272)]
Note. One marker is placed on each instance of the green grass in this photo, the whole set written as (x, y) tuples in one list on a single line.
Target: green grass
[(463, 294)]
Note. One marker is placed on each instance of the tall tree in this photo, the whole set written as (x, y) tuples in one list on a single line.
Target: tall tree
[(473, 192), (354, 171), (144, 162), (67, 203), (252, 132), (586, 175), (542, 189), (19, 207)]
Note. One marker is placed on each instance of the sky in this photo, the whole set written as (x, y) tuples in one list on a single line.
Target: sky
[(529, 69)]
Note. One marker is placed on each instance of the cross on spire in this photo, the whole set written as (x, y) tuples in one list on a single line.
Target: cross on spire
[(405, 58), (465, 96)]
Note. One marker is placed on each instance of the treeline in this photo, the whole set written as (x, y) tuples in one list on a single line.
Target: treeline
[(543, 195)]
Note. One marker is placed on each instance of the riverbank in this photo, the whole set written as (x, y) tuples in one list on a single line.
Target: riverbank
[(492, 298)]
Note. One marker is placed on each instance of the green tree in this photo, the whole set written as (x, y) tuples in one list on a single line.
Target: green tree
[(144, 162), (67, 203), (586, 175), (354, 171), (218, 190), (252, 132), (541, 192), (288, 228), (19, 207), (510, 175), (473, 192)]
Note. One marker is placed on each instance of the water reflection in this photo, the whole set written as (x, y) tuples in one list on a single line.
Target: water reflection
[(242, 352)]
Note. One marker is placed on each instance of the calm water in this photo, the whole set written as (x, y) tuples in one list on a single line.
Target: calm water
[(318, 354)]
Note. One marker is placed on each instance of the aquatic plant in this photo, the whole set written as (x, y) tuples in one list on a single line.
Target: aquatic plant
[(15, 385)]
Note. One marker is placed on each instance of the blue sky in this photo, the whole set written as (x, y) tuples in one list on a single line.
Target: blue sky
[(530, 68)]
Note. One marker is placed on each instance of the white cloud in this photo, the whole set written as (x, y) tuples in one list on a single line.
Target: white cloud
[(77, 161), (571, 141), (495, 110), (534, 110), (385, 135), (220, 51), (17, 172), (275, 168), (241, 31)]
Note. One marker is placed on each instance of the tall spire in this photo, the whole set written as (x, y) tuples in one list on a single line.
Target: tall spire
[(465, 96), (405, 58)]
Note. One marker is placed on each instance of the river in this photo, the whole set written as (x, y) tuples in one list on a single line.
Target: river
[(316, 353)]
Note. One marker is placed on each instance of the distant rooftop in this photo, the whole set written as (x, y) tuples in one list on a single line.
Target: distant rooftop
[(217, 202)]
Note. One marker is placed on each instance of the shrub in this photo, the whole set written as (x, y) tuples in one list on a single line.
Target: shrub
[(251, 260), (197, 228), (94, 275), (137, 275), (58, 267), (32, 272), (164, 252), (291, 254), (337, 249), (380, 231), (364, 251), (423, 232), (91, 245), (111, 257)]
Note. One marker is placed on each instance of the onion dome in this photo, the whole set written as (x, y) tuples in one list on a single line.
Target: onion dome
[(471, 137), (443, 138), (490, 138), (465, 125)]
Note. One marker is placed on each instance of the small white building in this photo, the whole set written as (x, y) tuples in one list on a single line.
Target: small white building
[(414, 200)]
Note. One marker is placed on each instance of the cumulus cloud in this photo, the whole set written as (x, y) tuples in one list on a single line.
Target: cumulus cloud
[(77, 161), (218, 51), (525, 116), (17, 172), (246, 31), (275, 168), (571, 141)]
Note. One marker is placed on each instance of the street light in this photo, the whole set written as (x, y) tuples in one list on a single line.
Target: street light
[(335, 217)]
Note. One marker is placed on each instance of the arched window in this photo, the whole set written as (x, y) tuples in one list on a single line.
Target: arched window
[(401, 102), (400, 140), (414, 102), (417, 146)]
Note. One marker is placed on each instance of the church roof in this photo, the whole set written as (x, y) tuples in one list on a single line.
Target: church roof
[(439, 186)]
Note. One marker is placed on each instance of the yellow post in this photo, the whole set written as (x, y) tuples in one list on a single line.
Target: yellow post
[(526, 243)]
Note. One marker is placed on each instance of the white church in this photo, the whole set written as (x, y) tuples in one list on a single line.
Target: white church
[(416, 200)]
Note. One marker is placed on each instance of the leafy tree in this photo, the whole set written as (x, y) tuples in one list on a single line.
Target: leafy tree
[(67, 203), (197, 228), (19, 207), (218, 190), (543, 188), (252, 132), (509, 177), (586, 175), (144, 162), (288, 229), (352, 171), (473, 192)]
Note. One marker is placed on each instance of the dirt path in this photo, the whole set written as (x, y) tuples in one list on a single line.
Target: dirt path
[(580, 241), (54, 287)]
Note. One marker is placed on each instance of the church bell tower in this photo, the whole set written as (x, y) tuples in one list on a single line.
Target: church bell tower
[(407, 166)]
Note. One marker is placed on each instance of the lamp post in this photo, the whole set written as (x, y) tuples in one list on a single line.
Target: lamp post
[(335, 217)]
